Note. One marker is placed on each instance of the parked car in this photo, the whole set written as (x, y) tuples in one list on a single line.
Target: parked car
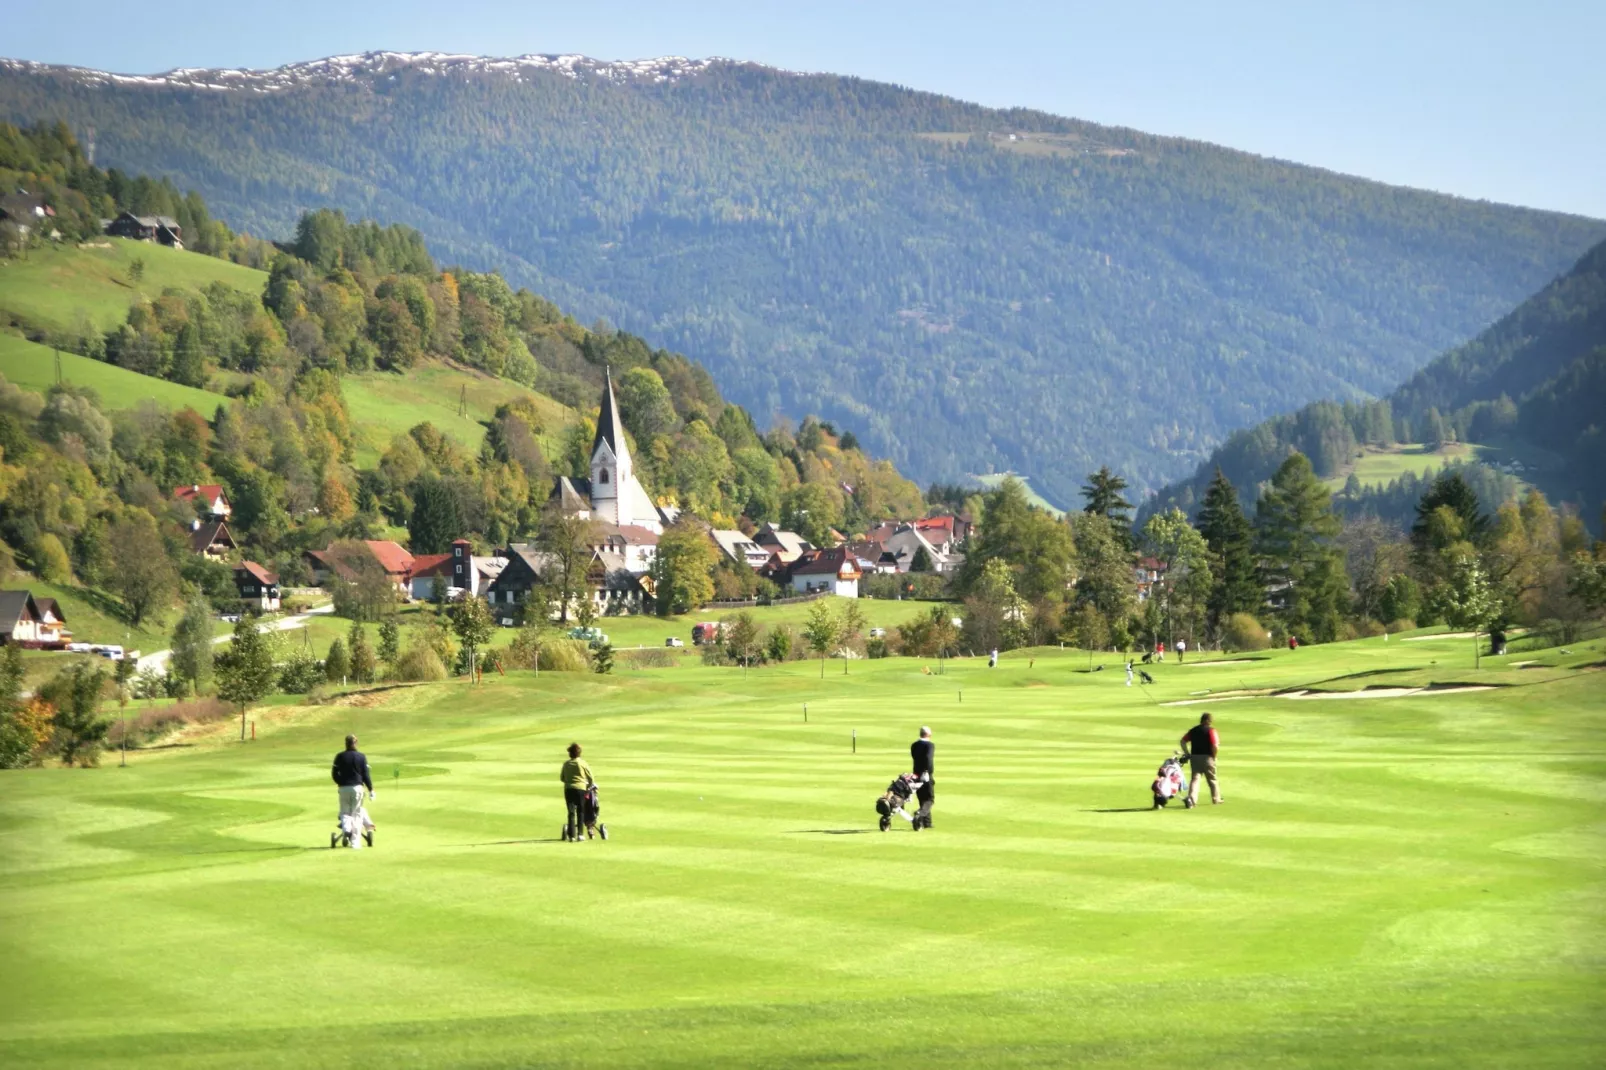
[(674, 641), (878, 633), (593, 636), (78, 648), (231, 618)]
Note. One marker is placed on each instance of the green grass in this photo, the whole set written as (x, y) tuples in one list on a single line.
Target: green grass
[(383, 405), (52, 286), (1392, 882), (1379, 466), (30, 365), (1032, 496)]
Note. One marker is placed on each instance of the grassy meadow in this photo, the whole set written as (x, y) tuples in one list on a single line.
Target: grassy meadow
[(1392, 881), (53, 285), (28, 364)]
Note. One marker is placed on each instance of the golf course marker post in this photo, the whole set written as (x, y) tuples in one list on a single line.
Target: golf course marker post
[(805, 713), (395, 777), (855, 741)]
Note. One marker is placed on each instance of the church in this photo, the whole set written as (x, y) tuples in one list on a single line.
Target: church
[(613, 495)]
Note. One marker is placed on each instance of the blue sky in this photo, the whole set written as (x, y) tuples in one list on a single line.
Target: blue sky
[(1503, 101)]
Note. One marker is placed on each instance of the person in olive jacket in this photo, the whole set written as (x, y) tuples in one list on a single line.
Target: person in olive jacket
[(577, 780)]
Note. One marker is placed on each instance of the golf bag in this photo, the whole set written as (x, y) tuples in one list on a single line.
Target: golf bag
[(1170, 781), (892, 801), (590, 817), (354, 828)]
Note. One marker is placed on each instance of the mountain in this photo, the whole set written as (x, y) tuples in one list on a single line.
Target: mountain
[(969, 290), (1525, 398)]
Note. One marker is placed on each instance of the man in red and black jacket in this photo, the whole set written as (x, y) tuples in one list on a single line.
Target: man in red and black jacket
[(1200, 744)]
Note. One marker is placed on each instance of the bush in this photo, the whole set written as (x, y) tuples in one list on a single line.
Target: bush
[(1243, 632), (715, 655), (781, 644), (564, 655), (1368, 628), (301, 674), (154, 723), (875, 648), (1404, 624), (419, 664)]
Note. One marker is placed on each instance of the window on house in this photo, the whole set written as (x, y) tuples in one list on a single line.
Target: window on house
[(602, 476)]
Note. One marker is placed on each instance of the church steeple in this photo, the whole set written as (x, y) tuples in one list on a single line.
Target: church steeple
[(609, 429)]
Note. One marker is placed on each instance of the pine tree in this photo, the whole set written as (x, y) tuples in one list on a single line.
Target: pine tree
[(1103, 495), (1301, 566), (335, 665), (361, 656), (1230, 538), (434, 522)]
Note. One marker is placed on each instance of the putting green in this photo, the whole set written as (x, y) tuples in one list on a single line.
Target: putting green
[(1391, 881)]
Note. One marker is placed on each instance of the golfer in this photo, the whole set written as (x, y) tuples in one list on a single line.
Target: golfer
[(1182, 650), (577, 780), (924, 754), (1200, 744), (350, 774)]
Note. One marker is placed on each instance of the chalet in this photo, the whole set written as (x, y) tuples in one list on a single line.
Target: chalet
[(905, 544), (612, 495), (19, 618), (835, 571), (788, 544), (257, 587), (211, 539), (346, 562), (28, 212), (615, 589), (52, 629), (208, 500), (946, 533), (521, 577), (740, 548), (163, 229)]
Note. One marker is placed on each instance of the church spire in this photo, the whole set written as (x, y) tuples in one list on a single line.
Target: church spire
[(609, 429)]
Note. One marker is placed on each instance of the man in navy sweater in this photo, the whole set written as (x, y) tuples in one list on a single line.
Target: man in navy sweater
[(923, 753), (350, 774)]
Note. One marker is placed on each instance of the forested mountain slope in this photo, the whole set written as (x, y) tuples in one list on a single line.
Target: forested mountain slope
[(1533, 385), (968, 289)]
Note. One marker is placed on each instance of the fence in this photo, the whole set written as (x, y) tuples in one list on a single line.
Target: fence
[(753, 603)]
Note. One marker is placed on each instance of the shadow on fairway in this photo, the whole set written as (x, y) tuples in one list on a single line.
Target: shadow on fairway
[(830, 832), (1122, 810), (511, 843)]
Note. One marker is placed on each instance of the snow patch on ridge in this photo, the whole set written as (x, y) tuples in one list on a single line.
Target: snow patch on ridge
[(369, 66)]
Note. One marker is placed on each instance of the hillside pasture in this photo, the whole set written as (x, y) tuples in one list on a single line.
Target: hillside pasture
[(52, 286), (28, 364), (1391, 881)]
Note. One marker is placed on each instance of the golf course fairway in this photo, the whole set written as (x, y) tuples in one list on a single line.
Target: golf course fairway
[(1416, 880)]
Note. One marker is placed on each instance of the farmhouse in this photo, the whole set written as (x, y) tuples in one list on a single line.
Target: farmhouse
[(460, 570), (163, 229), (31, 622), (27, 212), (208, 500), (739, 548), (211, 539), (835, 571), (257, 587), (613, 495), (521, 577), (346, 562)]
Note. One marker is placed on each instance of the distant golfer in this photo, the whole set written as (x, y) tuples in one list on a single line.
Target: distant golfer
[(992, 662), (924, 754), (1182, 650), (1129, 672), (577, 780), (1200, 745), (350, 774)]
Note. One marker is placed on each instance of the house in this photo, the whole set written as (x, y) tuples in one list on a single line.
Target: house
[(466, 572), (614, 588), (211, 539), (52, 631), (522, 576), (739, 548), (19, 618), (426, 568), (257, 587), (208, 500), (613, 494), (163, 229), (27, 212), (1146, 573), (637, 545), (946, 533), (788, 544), (905, 545), (345, 562), (873, 556), (835, 571)]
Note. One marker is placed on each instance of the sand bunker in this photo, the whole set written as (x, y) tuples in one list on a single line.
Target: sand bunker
[(1441, 635), (1387, 692)]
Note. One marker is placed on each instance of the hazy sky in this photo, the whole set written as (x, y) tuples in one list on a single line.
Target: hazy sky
[(1505, 101)]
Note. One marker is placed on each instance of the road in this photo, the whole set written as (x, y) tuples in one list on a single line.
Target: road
[(158, 659)]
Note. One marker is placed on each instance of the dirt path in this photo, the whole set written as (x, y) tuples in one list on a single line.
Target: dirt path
[(158, 659)]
